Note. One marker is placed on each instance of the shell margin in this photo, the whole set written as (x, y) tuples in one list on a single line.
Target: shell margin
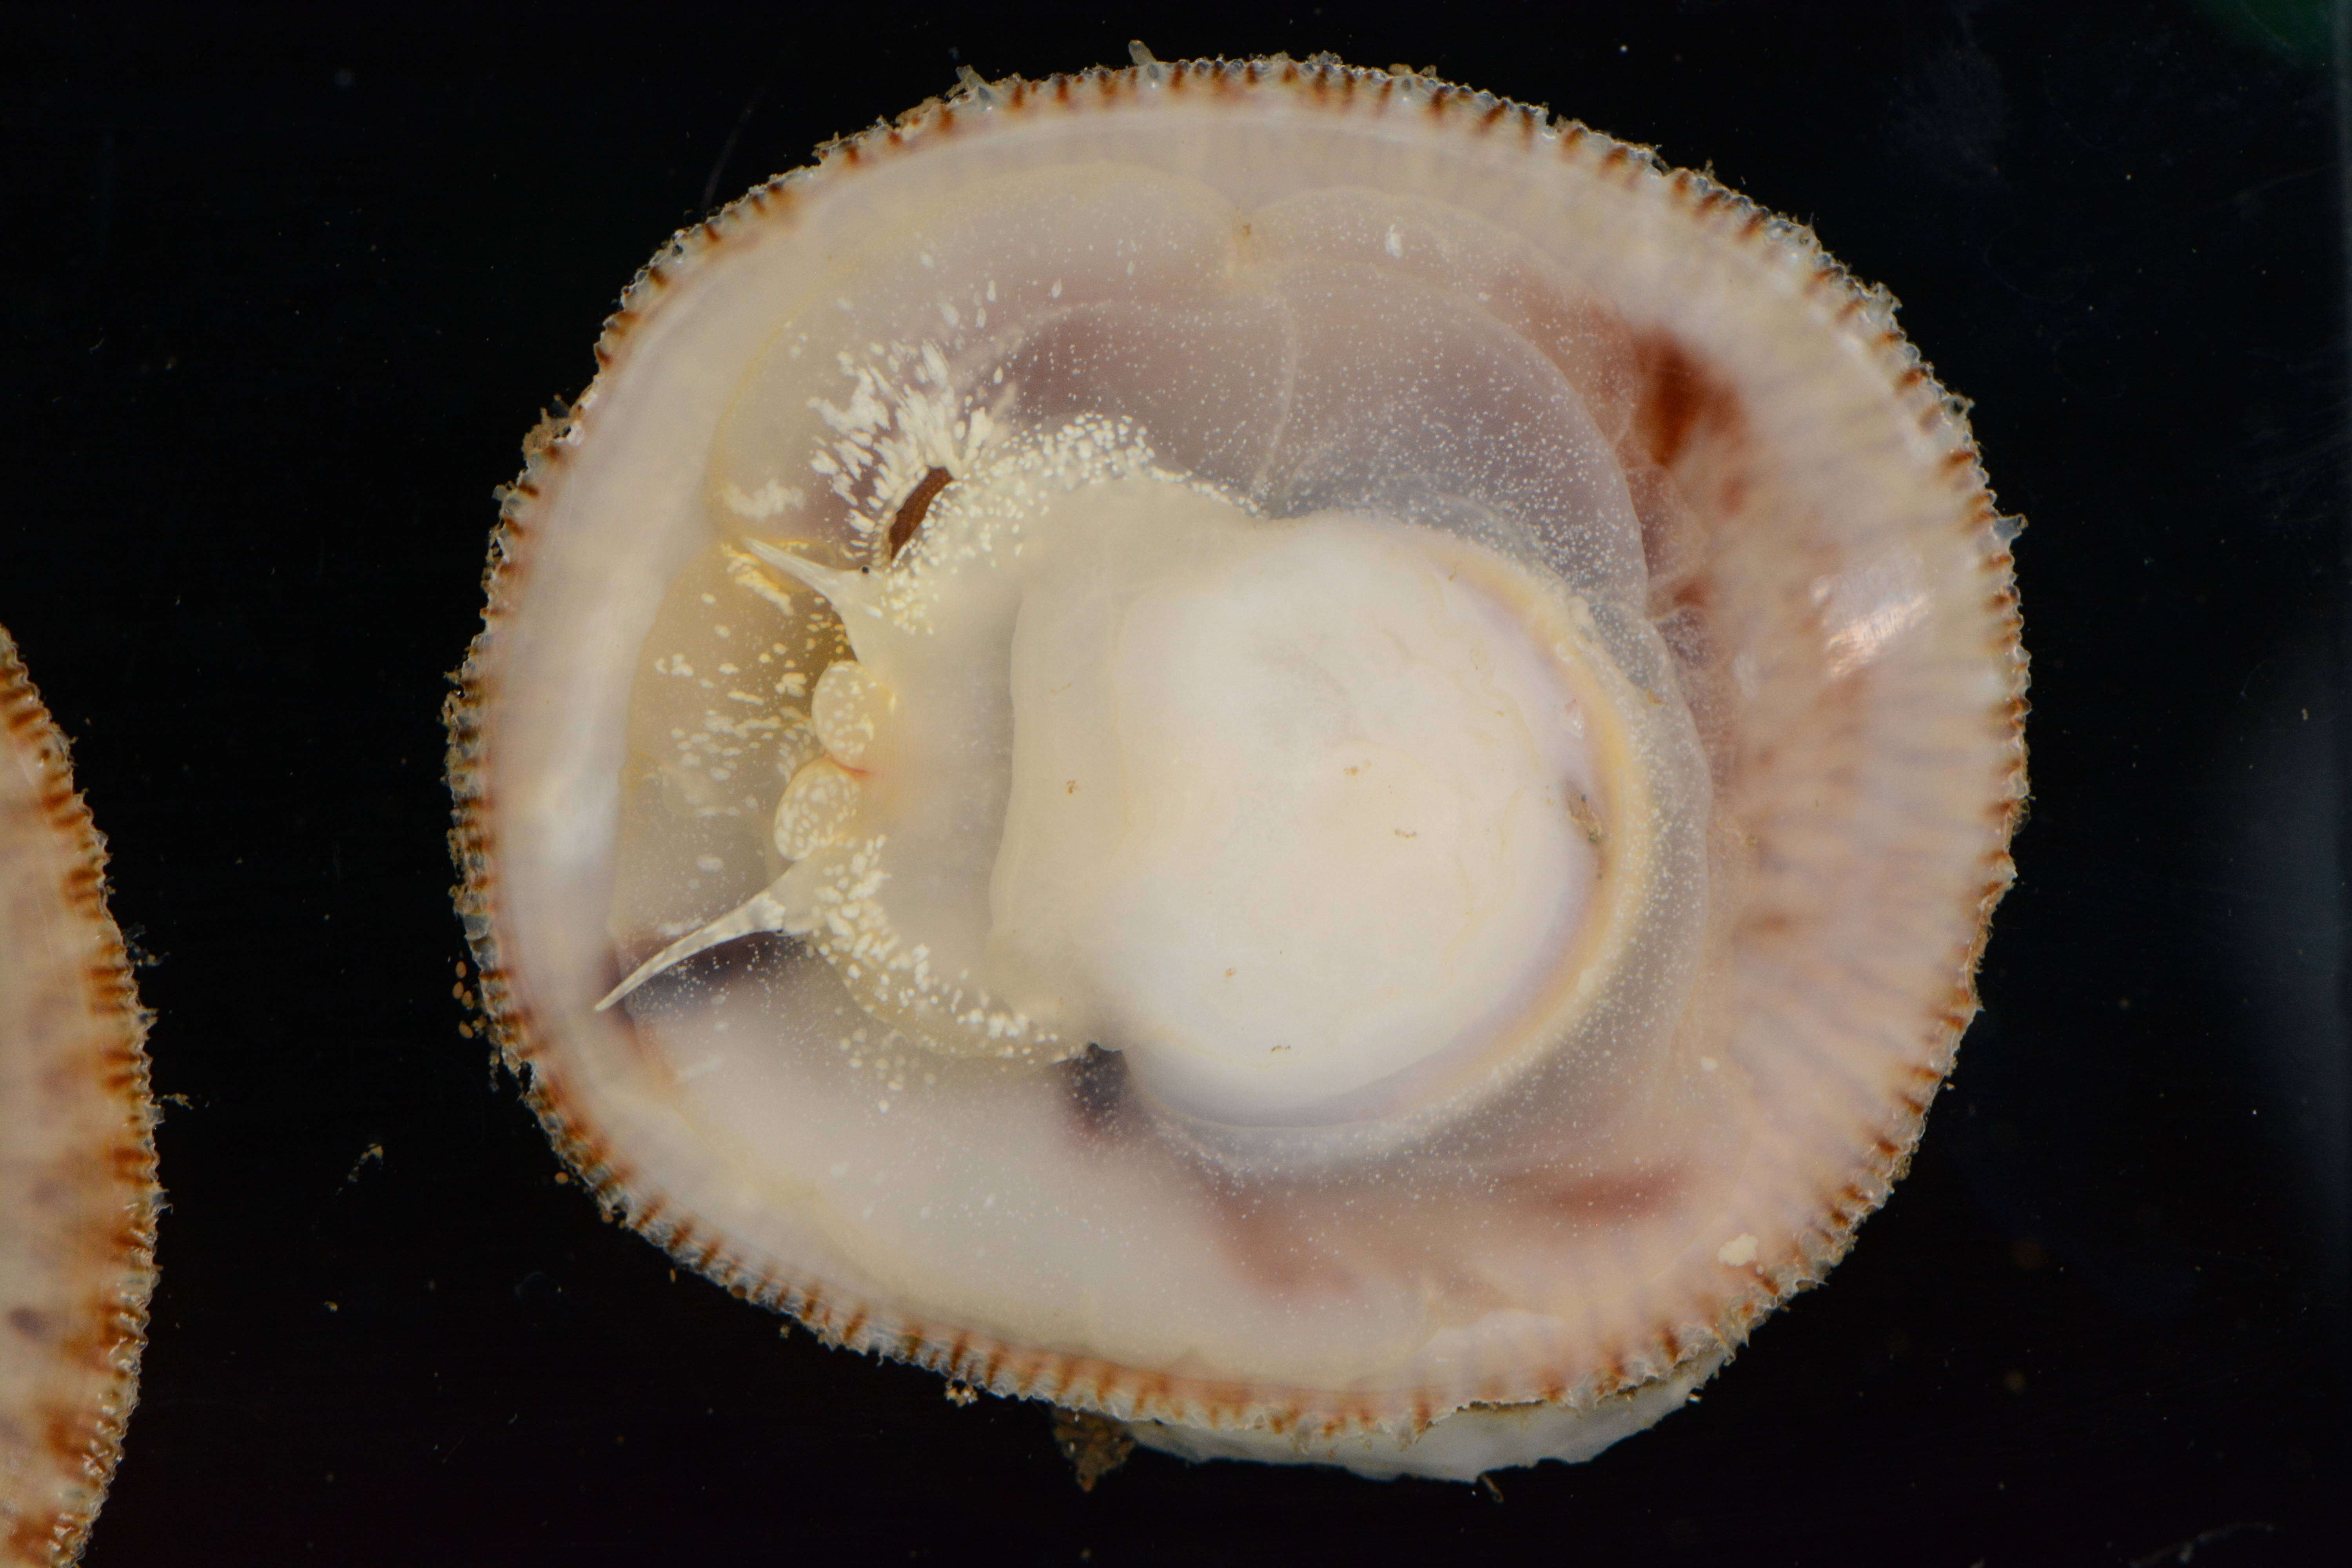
[(86, 1449)]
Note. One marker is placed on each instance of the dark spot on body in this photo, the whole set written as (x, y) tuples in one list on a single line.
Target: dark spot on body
[(911, 511), (1096, 1083), (28, 1322)]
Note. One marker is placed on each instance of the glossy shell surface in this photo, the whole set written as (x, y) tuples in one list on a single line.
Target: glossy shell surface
[(1807, 590), (77, 1194)]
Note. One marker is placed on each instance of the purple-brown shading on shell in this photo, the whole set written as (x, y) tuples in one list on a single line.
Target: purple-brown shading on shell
[(1825, 565), (78, 1194)]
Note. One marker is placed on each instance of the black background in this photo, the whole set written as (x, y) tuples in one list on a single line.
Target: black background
[(280, 300)]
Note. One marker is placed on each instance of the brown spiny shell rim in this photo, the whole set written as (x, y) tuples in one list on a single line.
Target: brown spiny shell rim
[(1863, 312), (86, 1444)]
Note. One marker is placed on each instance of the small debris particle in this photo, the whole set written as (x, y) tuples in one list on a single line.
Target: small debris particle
[(371, 1155), (1738, 1251), (1095, 1444), (2186, 1550)]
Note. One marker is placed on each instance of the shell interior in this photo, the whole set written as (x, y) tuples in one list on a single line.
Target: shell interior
[(1268, 748)]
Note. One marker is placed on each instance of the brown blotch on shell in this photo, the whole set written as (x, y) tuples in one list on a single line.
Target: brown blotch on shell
[(1680, 402)]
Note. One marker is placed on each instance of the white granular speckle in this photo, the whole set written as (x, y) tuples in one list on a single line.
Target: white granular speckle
[(1740, 1251)]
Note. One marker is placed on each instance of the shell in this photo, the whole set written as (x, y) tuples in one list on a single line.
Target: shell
[(77, 1194), (1828, 580)]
